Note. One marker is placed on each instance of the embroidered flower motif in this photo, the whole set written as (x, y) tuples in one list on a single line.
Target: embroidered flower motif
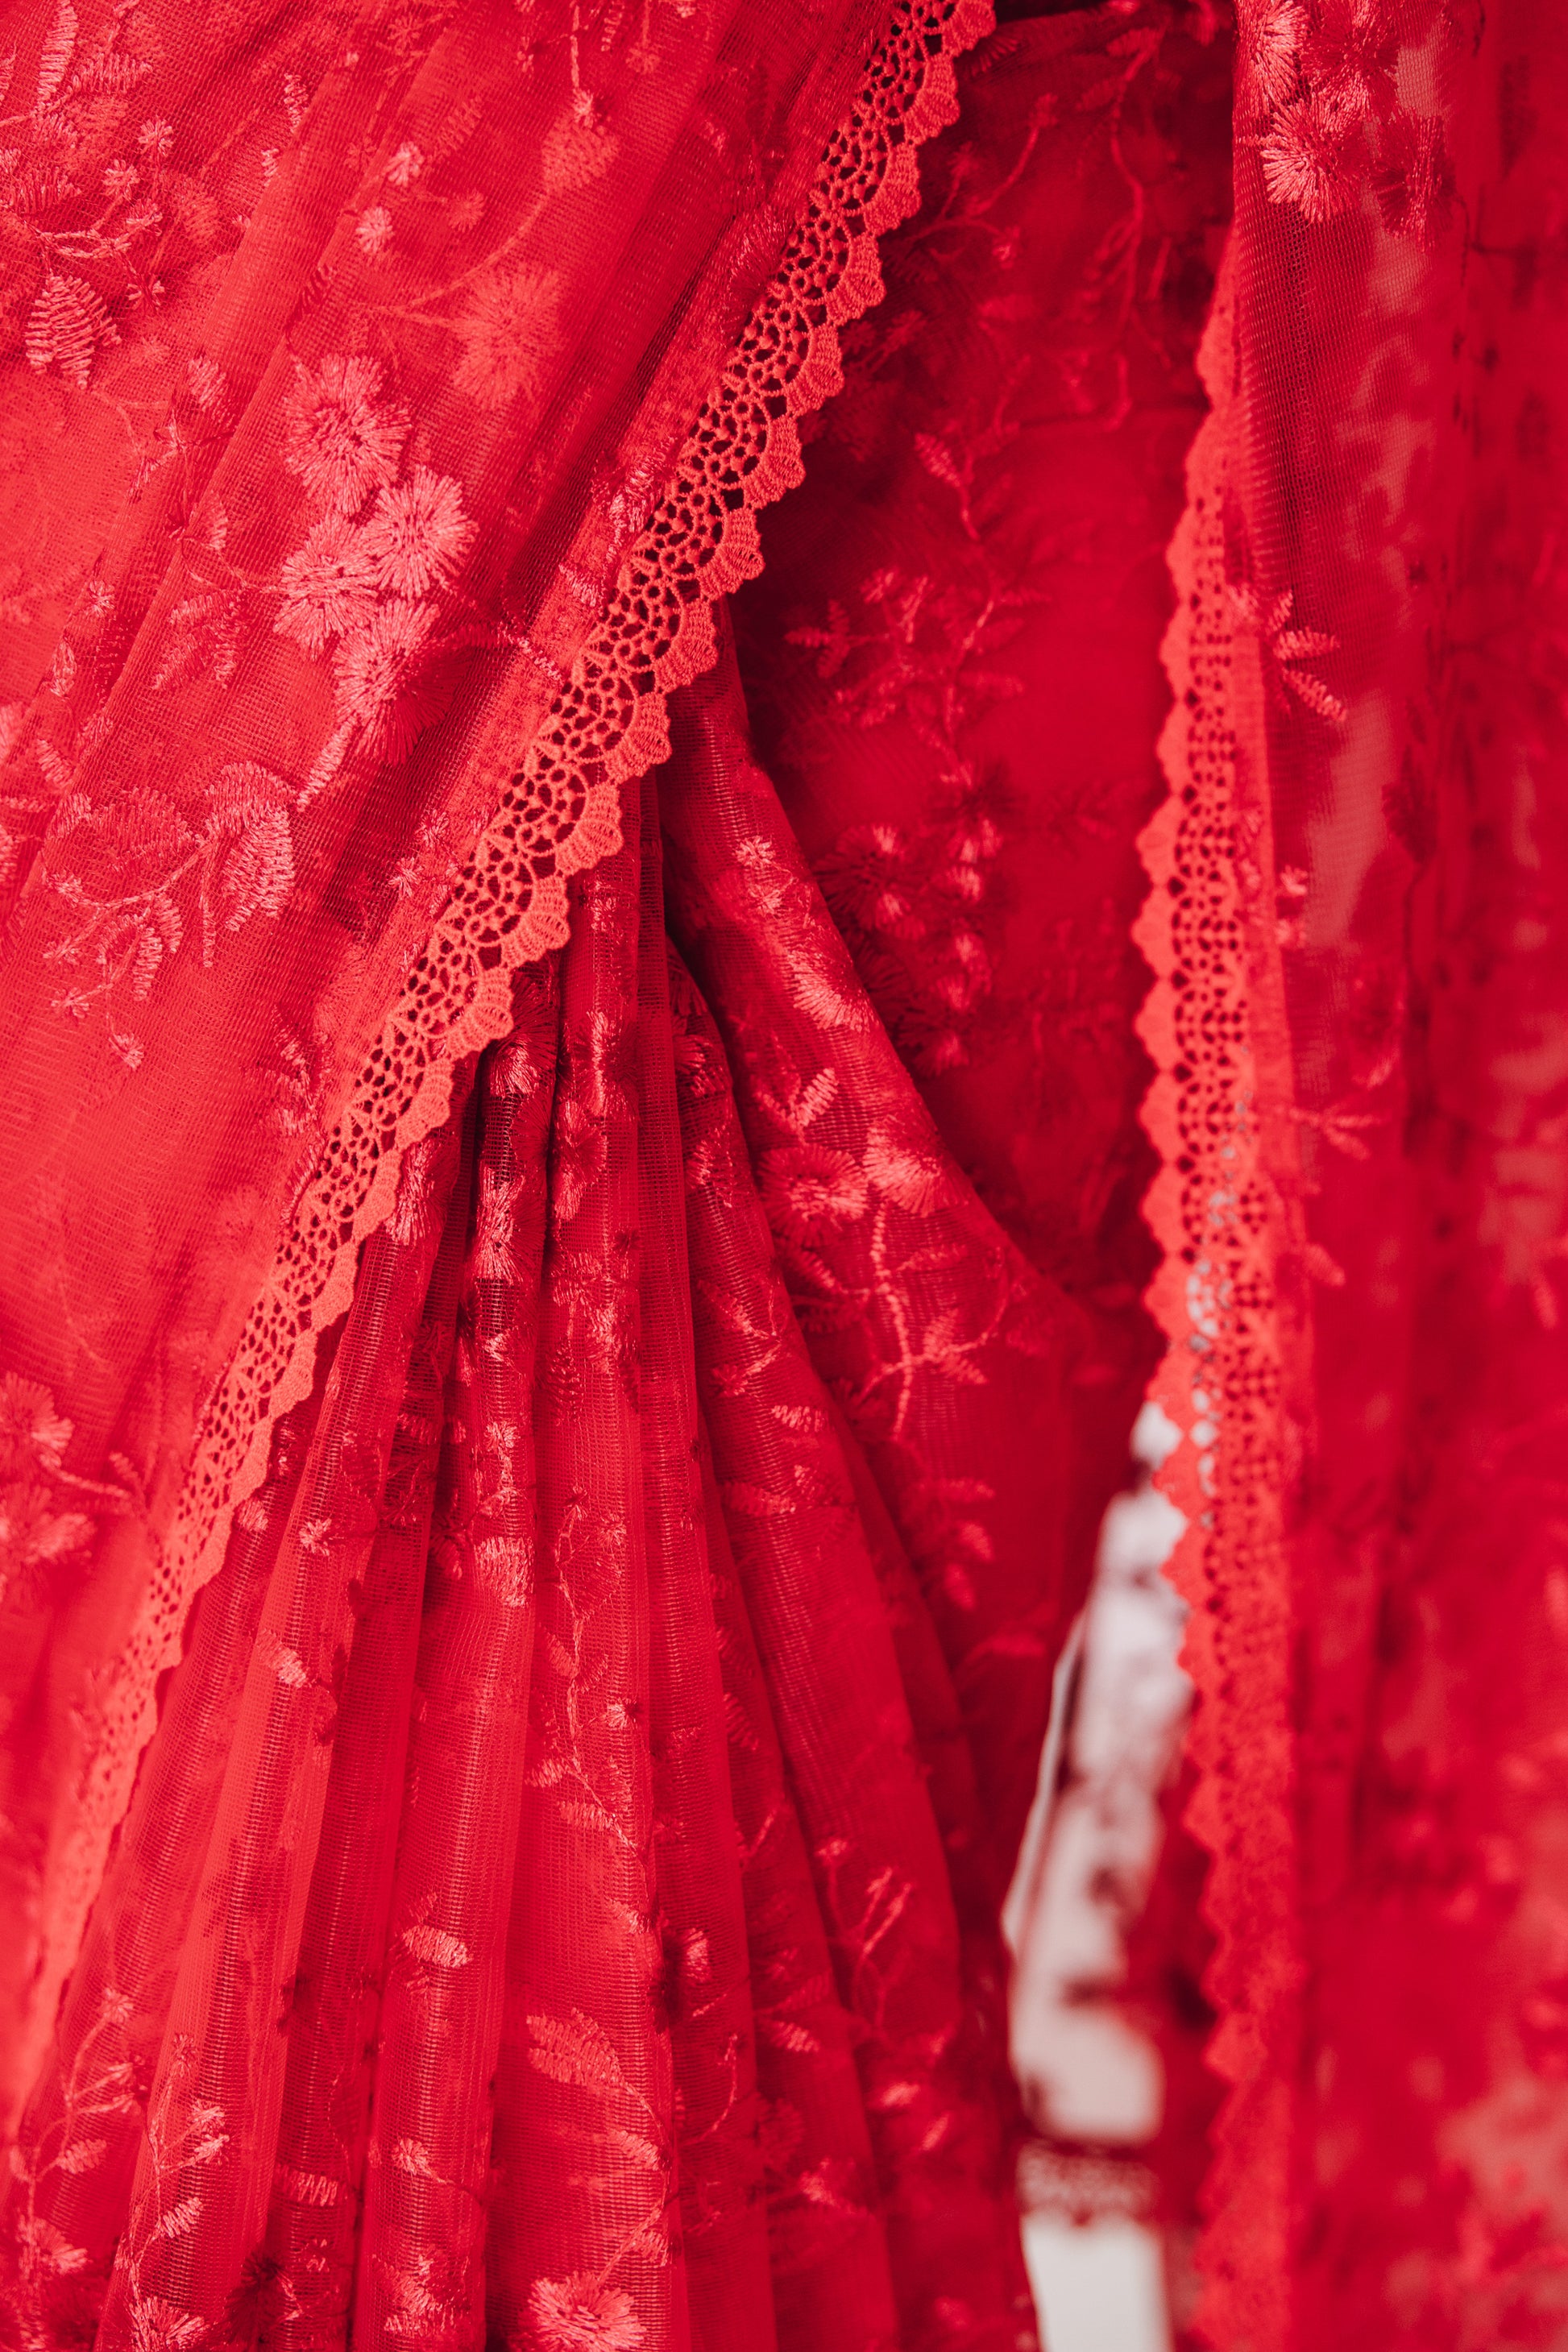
[(809, 1188), (373, 233), (344, 440), (911, 1174), (405, 165), (1271, 39), (509, 330), (579, 2315), (580, 148), (417, 534), (31, 1430), (328, 585), (1307, 155), (158, 2326), (382, 675)]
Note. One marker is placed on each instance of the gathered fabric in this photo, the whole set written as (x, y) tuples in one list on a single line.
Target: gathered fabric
[(754, 760)]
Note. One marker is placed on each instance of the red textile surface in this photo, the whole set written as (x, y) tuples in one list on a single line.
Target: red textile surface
[(575, 1287)]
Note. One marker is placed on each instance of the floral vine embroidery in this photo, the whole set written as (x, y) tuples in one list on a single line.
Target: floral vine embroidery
[(381, 545), (131, 873), (1323, 78), (47, 1512), (83, 85), (185, 2135), (99, 2088)]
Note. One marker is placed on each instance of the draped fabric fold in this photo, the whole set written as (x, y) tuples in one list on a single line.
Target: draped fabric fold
[(1358, 1024), (593, 1731), (312, 900)]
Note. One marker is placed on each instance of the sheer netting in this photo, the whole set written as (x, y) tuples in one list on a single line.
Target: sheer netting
[(612, 1109)]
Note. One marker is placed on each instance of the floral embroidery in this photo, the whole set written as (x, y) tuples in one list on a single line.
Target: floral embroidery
[(509, 330), (1291, 647), (328, 585), (42, 1517), (98, 2091), (416, 534), (127, 874), (580, 2315), (1323, 81), (382, 678), (82, 102), (185, 2134), (810, 1189), (557, 818), (343, 440), (366, 585), (373, 233)]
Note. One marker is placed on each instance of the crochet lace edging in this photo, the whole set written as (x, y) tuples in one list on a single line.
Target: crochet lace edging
[(1217, 1216), (558, 814)]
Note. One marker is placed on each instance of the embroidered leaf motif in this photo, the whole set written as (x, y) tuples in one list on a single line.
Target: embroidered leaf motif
[(314, 2189), (67, 325), (786, 2034), (248, 865), (181, 2219), (288, 1665), (577, 2050), (1314, 694), (436, 1948), (504, 1566), (55, 63)]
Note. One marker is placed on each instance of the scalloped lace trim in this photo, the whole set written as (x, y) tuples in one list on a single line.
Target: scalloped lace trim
[(558, 813), (1223, 1225)]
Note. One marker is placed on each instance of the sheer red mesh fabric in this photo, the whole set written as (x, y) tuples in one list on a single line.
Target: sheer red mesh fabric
[(166, 1294), (745, 1172), (476, 1979), (1358, 1024)]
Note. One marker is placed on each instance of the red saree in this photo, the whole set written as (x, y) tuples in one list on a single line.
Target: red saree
[(610, 1110)]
